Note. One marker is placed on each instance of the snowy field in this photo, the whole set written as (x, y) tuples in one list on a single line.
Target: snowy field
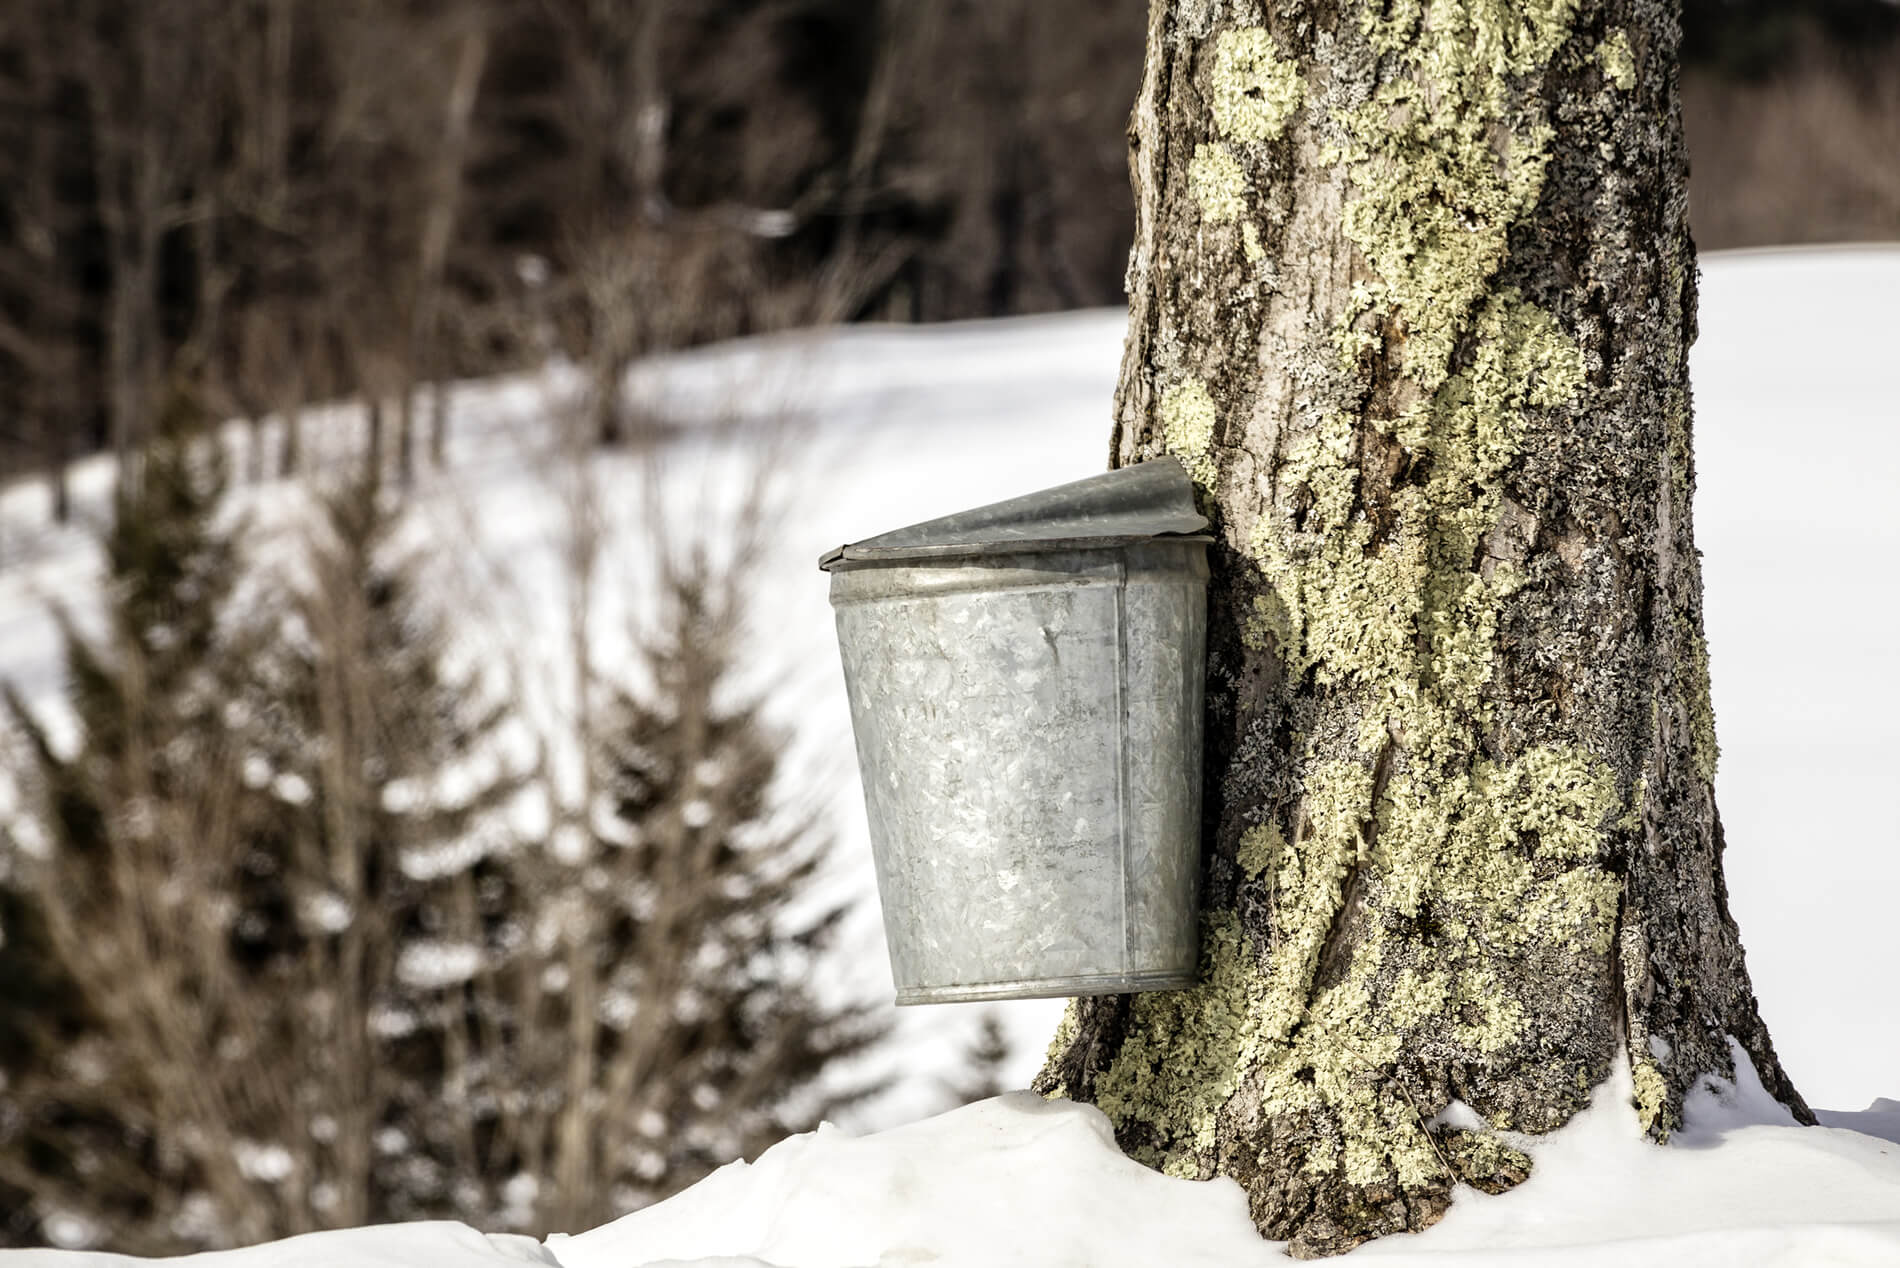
[(1799, 462)]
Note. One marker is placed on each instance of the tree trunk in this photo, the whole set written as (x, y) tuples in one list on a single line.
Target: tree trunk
[(57, 473), (425, 359), (441, 398), (373, 458), (406, 431), (292, 456), (1411, 296)]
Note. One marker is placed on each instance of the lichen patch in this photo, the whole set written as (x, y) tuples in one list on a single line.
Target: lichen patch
[(1619, 63), (1652, 1097), (1444, 161), (1217, 183), (1250, 239), (1187, 419), (1456, 858), (1253, 90)]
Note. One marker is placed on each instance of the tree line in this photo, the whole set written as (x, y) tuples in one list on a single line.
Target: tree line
[(300, 199), (296, 199)]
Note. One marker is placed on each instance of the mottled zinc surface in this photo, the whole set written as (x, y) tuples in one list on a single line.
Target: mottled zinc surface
[(1028, 729)]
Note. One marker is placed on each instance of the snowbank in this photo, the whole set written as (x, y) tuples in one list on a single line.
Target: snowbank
[(434, 1244), (1021, 1181), (1739, 1184), (1014, 1180)]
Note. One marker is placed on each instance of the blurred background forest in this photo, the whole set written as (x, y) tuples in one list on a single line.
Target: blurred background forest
[(293, 933), (300, 200)]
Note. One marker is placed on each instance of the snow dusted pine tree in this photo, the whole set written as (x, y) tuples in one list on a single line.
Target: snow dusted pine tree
[(280, 964), (274, 881), (81, 1050), (1411, 296), (391, 868), (686, 1029)]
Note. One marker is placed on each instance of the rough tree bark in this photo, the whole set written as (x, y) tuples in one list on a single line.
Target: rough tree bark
[(1411, 296)]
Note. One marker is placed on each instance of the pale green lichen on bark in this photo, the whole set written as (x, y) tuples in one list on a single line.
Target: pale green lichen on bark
[(1505, 853), (1187, 418), (1326, 1054), (1508, 853), (1485, 1153), (1253, 90), (1250, 242), (1354, 612), (1309, 884), (1260, 849), (1497, 1018), (1652, 1097), (1217, 183), (1443, 163), (1183, 1060), (1392, 616), (1188, 1051), (1619, 63), (1676, 444)]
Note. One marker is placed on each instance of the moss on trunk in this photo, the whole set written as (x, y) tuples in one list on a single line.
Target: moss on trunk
[(1411, 298)]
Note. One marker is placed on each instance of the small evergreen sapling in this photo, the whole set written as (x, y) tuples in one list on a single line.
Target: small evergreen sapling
[(275, 894), (390, 784), (77, 1145), (689, 985)]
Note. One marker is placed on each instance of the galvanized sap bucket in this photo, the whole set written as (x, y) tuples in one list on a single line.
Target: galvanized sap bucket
[(1025, 684)]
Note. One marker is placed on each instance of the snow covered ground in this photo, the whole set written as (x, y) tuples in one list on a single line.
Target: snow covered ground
[(1799, 463), (1021, 1181)]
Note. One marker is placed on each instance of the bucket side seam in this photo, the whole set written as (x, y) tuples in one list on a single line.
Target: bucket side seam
[(1121, 750)]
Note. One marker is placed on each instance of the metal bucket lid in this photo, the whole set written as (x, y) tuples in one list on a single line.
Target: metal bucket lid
[(1133, 504)]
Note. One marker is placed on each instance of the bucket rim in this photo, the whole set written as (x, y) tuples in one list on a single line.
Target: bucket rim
[(845, 557), (1147, 501)]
